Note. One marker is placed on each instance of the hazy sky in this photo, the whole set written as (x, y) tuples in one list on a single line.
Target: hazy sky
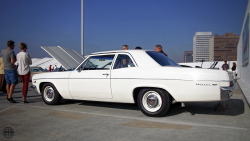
[(111, 23)]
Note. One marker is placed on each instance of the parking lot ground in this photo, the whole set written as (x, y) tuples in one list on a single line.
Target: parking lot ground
[(94, 121)]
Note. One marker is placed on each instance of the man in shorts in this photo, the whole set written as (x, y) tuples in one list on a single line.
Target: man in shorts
[(10, 72)]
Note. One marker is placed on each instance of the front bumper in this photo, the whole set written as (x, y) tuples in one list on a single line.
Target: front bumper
[(226, 93), (34, 89)]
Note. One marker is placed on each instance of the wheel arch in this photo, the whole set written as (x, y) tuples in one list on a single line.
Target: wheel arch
[(138, 89), (42, 84), (54, 96)]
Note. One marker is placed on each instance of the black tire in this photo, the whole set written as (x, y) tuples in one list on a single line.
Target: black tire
[(154, 102), (50, 94)]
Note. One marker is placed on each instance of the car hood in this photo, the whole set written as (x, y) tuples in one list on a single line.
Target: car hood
[(67, 57)]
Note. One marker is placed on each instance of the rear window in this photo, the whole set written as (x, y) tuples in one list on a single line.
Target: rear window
[(161, 59)]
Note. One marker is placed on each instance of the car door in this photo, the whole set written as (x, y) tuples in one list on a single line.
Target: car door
[(123, 77), (92, 79)]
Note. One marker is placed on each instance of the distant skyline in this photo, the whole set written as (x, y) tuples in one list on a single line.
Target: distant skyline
[(108, 24)]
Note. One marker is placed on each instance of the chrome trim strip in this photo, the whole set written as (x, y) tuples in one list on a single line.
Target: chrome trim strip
[(134, 79)]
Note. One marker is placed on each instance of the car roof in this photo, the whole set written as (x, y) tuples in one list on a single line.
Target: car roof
[(140, 56), (118, 51)]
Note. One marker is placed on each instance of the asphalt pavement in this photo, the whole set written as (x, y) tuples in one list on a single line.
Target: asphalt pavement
[(94, 121)]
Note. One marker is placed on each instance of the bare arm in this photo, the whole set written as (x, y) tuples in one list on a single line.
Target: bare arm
[(30, 61), (12, 58)]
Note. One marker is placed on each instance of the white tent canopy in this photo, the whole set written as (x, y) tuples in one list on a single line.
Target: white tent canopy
[(44, 63)]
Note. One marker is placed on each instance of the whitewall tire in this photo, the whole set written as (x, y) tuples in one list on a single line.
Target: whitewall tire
[(154, 102), (50, 94)]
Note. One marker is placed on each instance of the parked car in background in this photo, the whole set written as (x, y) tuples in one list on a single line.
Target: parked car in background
[(147, 78), (37, 69)]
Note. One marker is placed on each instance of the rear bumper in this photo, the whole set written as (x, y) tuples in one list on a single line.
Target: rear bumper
[(225, 93)]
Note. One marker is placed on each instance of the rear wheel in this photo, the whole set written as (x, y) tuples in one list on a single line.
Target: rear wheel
[(154, 102), (50, 94)]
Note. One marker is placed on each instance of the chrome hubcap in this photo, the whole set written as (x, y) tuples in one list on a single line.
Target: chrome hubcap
[(49, 93), (152, 101)]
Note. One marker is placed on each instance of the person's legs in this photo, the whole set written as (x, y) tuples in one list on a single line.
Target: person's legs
[(22, 79), (4, 86), (12, 87), (25, 79), (1, 81), (14, 81), (8, 90), (7, 80), (11, 81)]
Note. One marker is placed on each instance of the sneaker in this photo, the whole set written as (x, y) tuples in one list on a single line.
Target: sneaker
[(11, 100), (7, 99), (25, 102)]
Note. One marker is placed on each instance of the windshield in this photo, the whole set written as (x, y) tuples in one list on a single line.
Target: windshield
[(161, 59)]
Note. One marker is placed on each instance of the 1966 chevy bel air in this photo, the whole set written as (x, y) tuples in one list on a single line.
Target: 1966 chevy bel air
[(147, 78)]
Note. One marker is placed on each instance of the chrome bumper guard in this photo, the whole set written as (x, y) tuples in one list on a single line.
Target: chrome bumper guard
[(226, 93)]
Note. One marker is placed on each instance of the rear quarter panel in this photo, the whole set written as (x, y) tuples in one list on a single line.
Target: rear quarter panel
[(184, 85)]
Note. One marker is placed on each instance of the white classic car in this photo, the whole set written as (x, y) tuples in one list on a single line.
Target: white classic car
[(147, 78)]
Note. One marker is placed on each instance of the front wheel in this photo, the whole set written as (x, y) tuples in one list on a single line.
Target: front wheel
[(154, 102), (50, 94)]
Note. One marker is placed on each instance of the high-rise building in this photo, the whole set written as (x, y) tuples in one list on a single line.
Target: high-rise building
[(202, 46), (225, 47), (188, 56)]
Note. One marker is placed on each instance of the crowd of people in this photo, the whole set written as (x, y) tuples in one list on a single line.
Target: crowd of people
[(158, 48), (55, 68), (13, 66), (225, 66)]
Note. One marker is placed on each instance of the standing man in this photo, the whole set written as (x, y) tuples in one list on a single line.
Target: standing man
[(158, 48), (56, 68), (10, 72), (234, 66), (125, 47), (51, 68), (225, 66)]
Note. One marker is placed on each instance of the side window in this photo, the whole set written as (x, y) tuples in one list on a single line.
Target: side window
[(123, 61), (98, 63)]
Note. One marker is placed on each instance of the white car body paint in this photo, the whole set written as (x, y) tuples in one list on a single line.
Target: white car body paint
[(118, 85)]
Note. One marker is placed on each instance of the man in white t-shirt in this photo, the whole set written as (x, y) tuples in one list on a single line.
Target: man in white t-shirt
[(24, 62)]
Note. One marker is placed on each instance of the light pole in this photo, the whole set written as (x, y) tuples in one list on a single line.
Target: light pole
[(82, 28)]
